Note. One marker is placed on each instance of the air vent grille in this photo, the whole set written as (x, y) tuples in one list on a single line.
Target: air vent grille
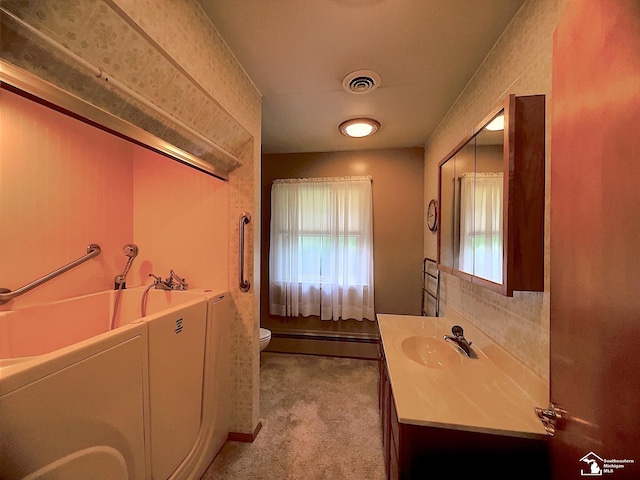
[(361, 81)]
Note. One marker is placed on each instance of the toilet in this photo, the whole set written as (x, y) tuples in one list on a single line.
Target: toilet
[(265, 338)]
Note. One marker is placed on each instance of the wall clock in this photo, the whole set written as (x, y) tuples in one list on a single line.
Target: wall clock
[(432, 215)]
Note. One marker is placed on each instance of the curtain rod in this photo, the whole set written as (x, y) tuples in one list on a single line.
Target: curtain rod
[(324, 179)]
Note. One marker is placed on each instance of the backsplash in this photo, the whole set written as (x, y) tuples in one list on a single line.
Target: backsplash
[(519, 63)]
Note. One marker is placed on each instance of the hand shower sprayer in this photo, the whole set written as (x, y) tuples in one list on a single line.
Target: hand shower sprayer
[(130, 250)]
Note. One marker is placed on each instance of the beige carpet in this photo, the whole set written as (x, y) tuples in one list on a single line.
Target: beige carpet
[(319, 421)]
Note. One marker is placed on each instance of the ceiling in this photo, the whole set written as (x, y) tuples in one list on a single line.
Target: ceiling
[(297, 52)]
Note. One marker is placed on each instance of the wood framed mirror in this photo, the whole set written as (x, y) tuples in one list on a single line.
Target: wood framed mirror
[(491, 196)]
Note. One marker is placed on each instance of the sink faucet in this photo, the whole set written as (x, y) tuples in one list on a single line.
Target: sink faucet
[(458, 339), (131, 251)]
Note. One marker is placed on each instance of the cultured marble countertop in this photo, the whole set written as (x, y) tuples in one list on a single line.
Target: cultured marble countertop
[(434, 384)]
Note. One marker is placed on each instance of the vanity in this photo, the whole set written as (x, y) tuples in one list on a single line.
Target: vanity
[(446, 415)]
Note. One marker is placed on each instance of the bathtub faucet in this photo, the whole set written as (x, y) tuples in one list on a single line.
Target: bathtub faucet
[(131, 251), (458, 339), (176, 282), (172, 282), (159, 284)]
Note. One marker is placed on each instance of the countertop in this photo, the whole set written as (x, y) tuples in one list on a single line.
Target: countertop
[(435, 384)]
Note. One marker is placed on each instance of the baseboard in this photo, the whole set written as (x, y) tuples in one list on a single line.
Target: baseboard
[(245, 437)]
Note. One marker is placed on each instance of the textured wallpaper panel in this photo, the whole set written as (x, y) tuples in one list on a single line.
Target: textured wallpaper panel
[(182, 29), (519, 63), (106, 37)]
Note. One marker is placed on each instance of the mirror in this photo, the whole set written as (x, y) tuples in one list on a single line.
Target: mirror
[(472, 203), (491, 195), (481, 207)]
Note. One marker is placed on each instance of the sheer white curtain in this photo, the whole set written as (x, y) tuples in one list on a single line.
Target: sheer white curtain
[(321, 251), (481, 225)]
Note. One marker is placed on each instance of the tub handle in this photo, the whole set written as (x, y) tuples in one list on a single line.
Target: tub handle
[(6, 295), (245, 285)]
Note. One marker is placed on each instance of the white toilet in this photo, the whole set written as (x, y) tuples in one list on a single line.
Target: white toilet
[(265, 338)]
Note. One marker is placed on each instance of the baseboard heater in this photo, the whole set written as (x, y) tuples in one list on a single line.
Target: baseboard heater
[(333, 337), (353, 345)]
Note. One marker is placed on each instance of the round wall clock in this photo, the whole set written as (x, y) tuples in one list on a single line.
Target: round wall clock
[(432, 215)]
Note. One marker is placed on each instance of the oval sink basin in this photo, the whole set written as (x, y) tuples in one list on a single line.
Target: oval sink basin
[(430, 352)]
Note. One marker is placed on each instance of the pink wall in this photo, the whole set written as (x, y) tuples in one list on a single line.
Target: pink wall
[(180, 222), (65, 184)]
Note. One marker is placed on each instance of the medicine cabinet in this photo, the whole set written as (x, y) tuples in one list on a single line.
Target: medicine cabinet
[(491, 197)]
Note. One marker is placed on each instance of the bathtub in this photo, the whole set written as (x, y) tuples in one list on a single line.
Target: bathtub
[(144, 400)]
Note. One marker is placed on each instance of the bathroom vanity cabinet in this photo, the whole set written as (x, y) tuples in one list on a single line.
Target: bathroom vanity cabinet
[(491, 192), (420, 451), (420, 445)]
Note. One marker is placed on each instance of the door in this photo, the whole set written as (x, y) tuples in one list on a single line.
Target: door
[(595, 240)]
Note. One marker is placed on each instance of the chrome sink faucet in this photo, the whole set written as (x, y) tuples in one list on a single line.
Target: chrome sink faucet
[(458, 339)]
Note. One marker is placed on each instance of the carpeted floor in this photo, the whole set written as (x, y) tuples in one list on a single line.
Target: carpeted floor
[(319, 421)]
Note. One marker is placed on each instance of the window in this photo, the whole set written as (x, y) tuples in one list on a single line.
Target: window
[(321, 254)]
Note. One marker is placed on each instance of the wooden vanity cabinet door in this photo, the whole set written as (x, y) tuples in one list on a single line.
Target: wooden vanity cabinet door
[(394, 465), (384, 394), (395, 460)]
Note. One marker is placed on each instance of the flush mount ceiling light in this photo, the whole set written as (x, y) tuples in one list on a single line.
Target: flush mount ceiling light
[(361, 81), (359, 127), (496, 124)]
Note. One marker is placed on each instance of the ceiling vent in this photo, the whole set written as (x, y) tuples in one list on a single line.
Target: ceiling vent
[(361, 81)]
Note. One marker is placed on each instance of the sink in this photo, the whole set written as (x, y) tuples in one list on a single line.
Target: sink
[(430, 352)]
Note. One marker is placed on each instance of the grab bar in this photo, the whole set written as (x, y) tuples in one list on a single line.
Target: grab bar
[(244, 284), (6, 295)]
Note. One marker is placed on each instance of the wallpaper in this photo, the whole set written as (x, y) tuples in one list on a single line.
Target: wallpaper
[(104, 57), (519, 63)]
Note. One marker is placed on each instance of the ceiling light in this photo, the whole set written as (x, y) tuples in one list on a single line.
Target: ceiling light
[(359, 127), (496, 124)]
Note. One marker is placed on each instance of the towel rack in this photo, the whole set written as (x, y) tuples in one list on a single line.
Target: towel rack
[(430, 288), (244, 284)]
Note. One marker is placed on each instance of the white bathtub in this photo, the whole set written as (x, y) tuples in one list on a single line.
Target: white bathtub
[(145, 400)]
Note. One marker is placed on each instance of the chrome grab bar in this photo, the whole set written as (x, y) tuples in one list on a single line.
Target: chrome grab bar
[(6, 295), (244, 284)]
